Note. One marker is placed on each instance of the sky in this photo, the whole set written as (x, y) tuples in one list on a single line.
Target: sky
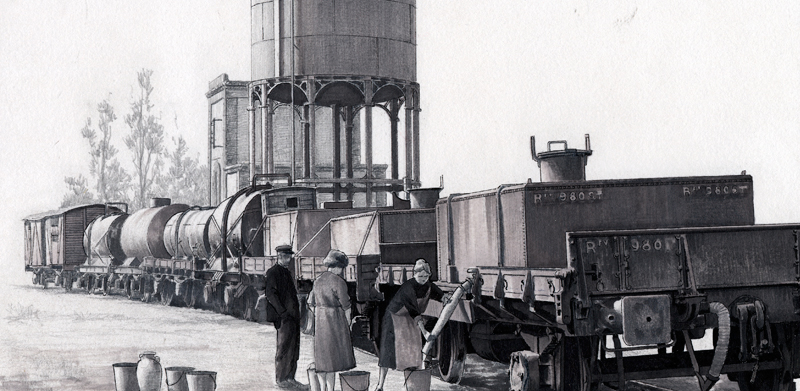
[(664, 89)]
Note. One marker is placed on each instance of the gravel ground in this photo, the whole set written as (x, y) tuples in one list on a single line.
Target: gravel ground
[(53, 340)]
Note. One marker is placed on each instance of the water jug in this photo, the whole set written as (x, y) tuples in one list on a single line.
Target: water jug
[(148, 372)]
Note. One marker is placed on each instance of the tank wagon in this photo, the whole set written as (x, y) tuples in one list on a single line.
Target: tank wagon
[(213, 257)]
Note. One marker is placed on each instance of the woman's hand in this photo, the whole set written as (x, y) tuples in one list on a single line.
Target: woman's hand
[(446, 298), (425, 333)]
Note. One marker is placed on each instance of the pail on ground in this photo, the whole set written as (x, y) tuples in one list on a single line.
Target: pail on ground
[(417, 380), (125, 376), (354, 380), (202, 380), (176, 378), (313, 381)]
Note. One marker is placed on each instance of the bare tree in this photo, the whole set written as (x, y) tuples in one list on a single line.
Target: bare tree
[(78, 192), (145, 141), (111, 179), (185, 181)]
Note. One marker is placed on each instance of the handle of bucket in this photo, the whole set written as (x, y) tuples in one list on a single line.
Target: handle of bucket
[(183, 374), (213, 379), (344, 379), (410, 371)]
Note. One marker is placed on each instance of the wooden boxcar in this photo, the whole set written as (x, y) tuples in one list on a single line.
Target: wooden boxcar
[(54, 241)]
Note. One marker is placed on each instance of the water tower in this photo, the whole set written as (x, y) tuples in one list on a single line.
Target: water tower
[(316, 66)]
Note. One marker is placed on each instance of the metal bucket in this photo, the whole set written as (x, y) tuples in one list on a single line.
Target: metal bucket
[(202, 380), (354, 381), (125, 376), (417, 380), (176, 378), (424, 198)]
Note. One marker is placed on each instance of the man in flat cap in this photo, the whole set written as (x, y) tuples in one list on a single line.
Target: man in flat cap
[(283, 310)]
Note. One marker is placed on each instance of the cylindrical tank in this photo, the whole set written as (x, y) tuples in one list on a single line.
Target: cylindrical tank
[(244, 218), (104, 233), (186, 234), (143, 231), (355, 37)]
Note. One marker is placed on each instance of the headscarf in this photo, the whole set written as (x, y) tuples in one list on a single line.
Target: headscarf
[(422, 265), (336, 258)]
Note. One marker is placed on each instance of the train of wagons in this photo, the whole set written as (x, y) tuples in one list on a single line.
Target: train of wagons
[(575, 283)]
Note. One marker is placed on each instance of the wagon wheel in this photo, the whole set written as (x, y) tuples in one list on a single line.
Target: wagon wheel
[(771, 380), (129, 287), (765, 381), (90, 281), (146, 289), (167, 293), (67, 281), (218, 299), (180, 298), (573, 357), (451, 346), (35, 279), (192, 292), (250, 299), (106, 286)]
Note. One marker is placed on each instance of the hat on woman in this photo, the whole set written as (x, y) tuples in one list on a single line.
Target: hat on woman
[(422, 265), (335, 258)]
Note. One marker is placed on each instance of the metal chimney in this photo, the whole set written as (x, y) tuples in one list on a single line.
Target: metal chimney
[(561, 164)]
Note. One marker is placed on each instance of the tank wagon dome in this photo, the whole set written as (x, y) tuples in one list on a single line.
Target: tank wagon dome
[(143, 232)]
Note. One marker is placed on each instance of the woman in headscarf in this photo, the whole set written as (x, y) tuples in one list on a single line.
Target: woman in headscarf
[(330, 302), (403, 328)]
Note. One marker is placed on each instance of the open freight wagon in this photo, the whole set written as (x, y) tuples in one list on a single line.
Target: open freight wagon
[(662, 288), (504, 252)]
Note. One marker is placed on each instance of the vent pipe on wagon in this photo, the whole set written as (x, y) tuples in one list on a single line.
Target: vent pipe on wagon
[(561, 164), (156, 202)]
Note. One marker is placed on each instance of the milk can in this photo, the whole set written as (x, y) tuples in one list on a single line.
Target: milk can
[(148, 372)]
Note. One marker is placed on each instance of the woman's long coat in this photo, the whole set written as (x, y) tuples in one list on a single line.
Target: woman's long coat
[(333, 348)]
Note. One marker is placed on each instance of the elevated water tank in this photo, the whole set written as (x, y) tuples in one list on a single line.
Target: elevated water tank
[(342, 37)]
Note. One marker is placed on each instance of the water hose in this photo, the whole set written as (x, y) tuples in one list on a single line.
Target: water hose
[(447, 312), (724, 328)]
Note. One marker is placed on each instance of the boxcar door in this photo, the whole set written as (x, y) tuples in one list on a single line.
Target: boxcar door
[(53, 243)]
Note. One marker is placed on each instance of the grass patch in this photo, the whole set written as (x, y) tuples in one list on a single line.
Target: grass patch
[(21, 313)]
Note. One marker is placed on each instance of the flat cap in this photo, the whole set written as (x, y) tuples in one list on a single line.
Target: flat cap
[(284, 248)]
